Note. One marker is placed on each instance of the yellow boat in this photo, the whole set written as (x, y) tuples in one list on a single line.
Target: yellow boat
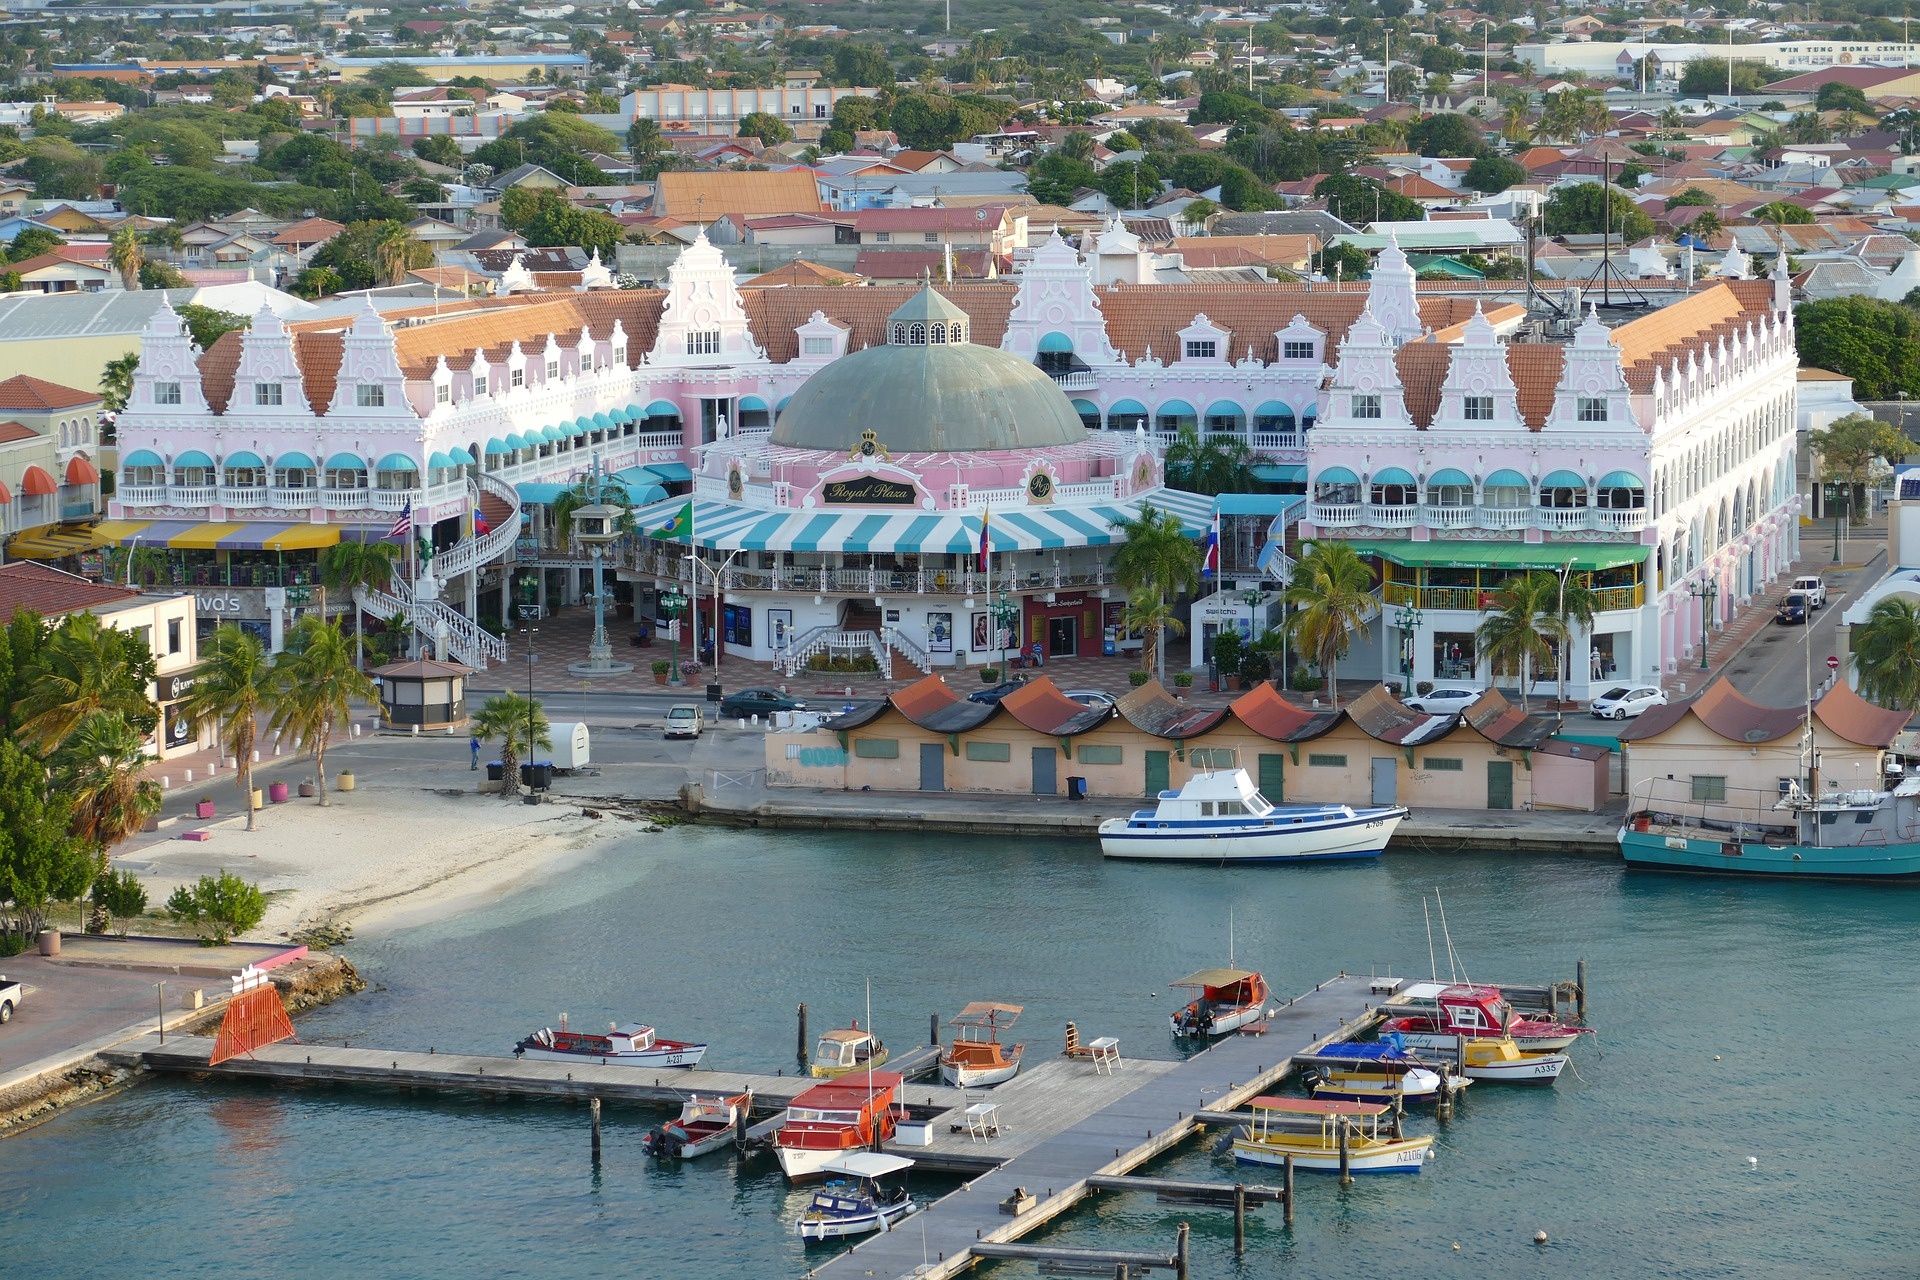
[(845, 1050), (1285, 1127)]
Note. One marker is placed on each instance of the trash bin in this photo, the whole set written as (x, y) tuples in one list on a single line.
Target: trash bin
[(496, 772), (1076, 788), (537, 776), (713, 693)]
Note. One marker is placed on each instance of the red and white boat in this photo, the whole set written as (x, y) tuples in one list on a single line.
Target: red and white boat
[(832, 1119), (1438, 1014), (634, 1045), (1229, 999), (704, 1124)]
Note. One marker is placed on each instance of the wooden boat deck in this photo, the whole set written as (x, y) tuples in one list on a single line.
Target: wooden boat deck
[(1153, 1114)]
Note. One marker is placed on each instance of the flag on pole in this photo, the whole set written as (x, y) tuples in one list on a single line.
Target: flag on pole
[(985, 547), (481, 524), (681, 526), (1211, 564), (403, 523)]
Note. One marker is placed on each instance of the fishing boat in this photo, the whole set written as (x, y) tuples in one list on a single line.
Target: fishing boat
[(1220, 816), (704, 1124), (1354, 1083), (828, 1121), (1862, 834), (1437, 1014), (1229, 999), (1311, 1131), (865, 1192), (845, 1050), (976, 1057), (1501, 1061), (634, 1045)]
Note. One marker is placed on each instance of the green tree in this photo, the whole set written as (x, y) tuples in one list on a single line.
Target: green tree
[(519, 206), (61, 171), (559, 223), (116, 380), (1571, 113), (315, 683), (1574, 605), (1446, 134), (1886, 654), (1345, 262), (439, 149), (219, 908), (1850, 450), (1148, 616), (207, 324), (159, 275), (1357, 200), (31, 243), (83, 668), (1130, 184), (1583, 209), (509, 719), (1214, 464), (121, 896), (1875, 343), (232, 687), (1331, 595), (1055, 177), (1515, 636), (100, 770), (41, 860), (859, 66), (1156, 563), (1491, 174), (1078, 146), (123, 251), (397, 252), (770, 129), (1703, 76), (1781, 213), (644, 138), (349, 566), (1705, 225), (1690, 196)]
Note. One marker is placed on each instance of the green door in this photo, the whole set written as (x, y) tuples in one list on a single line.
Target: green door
[(1273, 778), (1499, 784), (1156, 772)]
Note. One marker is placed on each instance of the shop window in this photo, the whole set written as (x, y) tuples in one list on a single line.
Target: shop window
[(1323, 760), (1709, 788), (992, 752), (877, 748)]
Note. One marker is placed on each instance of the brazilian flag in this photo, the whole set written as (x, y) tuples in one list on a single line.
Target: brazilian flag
[(681, 526)]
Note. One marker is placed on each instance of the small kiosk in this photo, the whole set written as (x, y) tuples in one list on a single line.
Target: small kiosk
[(430, 694)]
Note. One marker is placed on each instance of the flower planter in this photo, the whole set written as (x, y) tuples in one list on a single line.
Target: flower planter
[(277, 792), (49, 942), (203, 809), (659, 677), (257, 798), (306, 789), (345, 780)]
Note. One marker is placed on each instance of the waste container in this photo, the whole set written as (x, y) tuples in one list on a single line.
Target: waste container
[(537, 776), (1076, 788), (496, 772), (713, 693)]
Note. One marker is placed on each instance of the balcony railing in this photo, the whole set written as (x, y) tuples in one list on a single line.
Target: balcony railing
[(1385, 517), (293, 499), (193, 495), (827, 580), (1468, 599), (345, 499), (1333, 515), (243, 496), (1447, 517), (1562, 517), (1505, 517), (1074, 380), (389, 499), (143, 495), (1625, 520)]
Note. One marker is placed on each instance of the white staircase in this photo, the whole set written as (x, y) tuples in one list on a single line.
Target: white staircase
[(467, 640), (911, 651), (840, 644)]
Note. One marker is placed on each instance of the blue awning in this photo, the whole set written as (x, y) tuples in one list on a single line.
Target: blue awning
[(1336, 475), (642, 495), (671, 472), (460, 456), (142, 458), (346, 462), (1225, 409), (514, 443), (1273, 409), (1448, 476), (751, 402), (1621, 480), (1254, 504), (438, 461), (1127, 406), (599, 421), (540, 491), (662, 409), (243, 458), (1563, 480), (398, 462), (1392, 475), (1506, 479), (293, 461), (1055, 342), (1176, 409), (193, 458)]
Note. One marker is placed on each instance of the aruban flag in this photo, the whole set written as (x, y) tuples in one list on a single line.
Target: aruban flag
[(403, 523), (681, 526), (985, 547), (1211, 564)]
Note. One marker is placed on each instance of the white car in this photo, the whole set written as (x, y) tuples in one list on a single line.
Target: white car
[(1091, 697), (1444, 699), (1623, 702), (684, 721)]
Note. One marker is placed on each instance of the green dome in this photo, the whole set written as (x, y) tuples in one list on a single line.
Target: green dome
[(921, 396)]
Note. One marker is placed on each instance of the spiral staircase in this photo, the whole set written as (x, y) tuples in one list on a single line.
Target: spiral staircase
[(420, 603)]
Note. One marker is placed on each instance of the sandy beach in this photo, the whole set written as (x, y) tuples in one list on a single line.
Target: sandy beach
[(376, 856)]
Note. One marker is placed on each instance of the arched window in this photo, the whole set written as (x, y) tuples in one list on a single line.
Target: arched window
[(1563, 490), (900, 335), (937, 334), (917, 335), (1392, 487)]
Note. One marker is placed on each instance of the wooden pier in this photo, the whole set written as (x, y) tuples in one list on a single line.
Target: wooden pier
[(1152, 1114)]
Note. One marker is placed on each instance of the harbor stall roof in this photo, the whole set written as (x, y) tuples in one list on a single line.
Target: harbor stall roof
[(1041, 707), (1268, 714), (1858, 721), (1500, 721), (1381, 715), (1152, 709), (1725, 710)]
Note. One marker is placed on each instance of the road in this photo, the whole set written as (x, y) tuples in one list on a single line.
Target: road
[(1773, 669)]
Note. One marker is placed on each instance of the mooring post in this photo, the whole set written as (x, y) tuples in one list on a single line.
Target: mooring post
[(1180, 1252), (593, 1111), (800, 1042), (1580, 988), (1443, 1109), (160, 1007), (1399, 1109), (1286, 1188), (1239, 1219), (933, 1028), (1346, 1154)]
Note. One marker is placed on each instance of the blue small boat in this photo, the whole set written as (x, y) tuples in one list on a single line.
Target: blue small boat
[(1847, 835), (1220, 816)]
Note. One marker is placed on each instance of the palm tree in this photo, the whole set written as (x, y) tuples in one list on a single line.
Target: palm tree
[(232, 686), (1514, 636), (511, 719), (1886, 653), (349, 566), (1574, 604), (1150, 617), (581, 494), (83, 669), (314, 685), (1332, 595), (124, 253), (1158, 559), (397, 252), (100, 772), (1214, 464)]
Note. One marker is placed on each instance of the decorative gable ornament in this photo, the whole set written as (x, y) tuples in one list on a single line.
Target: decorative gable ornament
[(1056, 296), (267, 358)]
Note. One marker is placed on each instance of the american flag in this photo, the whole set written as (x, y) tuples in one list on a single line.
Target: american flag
[(403, 523)]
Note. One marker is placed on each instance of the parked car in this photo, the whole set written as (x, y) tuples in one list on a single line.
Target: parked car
[(1792, 611), (685, 721), (1091, 697), (1623, 702), (996, 693), (1444, 699), (1814, 587), (758, 702), (11, 994)]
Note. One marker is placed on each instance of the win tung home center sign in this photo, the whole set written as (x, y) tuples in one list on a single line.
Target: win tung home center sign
[(871, 491)]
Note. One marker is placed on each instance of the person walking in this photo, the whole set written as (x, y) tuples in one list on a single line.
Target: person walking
[(473, 745)]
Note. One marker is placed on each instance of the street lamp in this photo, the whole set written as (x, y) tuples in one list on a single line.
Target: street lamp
[(1407, 619), (1004, 611), (672, 603), (532, 633), (1705, 592), (1839, 494), (598, 525)]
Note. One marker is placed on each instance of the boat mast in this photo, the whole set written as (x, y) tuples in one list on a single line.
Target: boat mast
[(1433, 965), (1453, 957), (1809, 769)]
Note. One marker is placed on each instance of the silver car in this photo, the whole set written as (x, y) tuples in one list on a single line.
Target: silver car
[(1623, 702), (1444, 699), (1091, 697)]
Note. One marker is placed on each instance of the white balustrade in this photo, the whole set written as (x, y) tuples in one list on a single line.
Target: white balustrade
[(143, 495), (1333, 515), (1447, 517), (193, 495), (246, 496), (1626, 520), (344, 499), (1387, 517), (292, 499), (1563, 517), (1506, 517)]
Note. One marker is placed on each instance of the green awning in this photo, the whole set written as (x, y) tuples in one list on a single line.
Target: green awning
[(1502, 555)]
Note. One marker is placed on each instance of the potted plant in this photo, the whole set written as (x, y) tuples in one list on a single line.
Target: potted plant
[(988, 675), (661, 670), (1304, 681), (1229, 653), (203, 807), (1182, 680), (1138, 678)]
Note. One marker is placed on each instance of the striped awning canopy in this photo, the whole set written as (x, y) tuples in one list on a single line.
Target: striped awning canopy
[(727, 526)]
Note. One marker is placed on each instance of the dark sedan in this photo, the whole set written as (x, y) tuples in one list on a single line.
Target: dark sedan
[(1792, 611), (996, 693), (758, 702)]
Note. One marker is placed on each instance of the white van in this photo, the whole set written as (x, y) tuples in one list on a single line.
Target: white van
[(685, 721), (1814, 589)]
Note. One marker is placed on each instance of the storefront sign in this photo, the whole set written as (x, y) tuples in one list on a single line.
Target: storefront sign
[(869, 491), (176, 728), (174, 688), (225, 604)]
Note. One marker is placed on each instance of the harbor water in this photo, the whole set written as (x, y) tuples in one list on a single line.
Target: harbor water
[(1746, 1110)]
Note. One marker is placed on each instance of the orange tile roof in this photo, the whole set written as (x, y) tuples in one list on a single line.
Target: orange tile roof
[(800, 272), (1692, 324), (707, 195), (10, 432), (51, 592), (24, 391), (1857, 720)]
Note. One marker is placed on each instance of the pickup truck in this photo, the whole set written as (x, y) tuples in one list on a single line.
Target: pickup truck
[(1814, 588), (11, 994)]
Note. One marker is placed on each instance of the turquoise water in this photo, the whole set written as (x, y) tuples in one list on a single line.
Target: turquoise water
[(1638, 1167)]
